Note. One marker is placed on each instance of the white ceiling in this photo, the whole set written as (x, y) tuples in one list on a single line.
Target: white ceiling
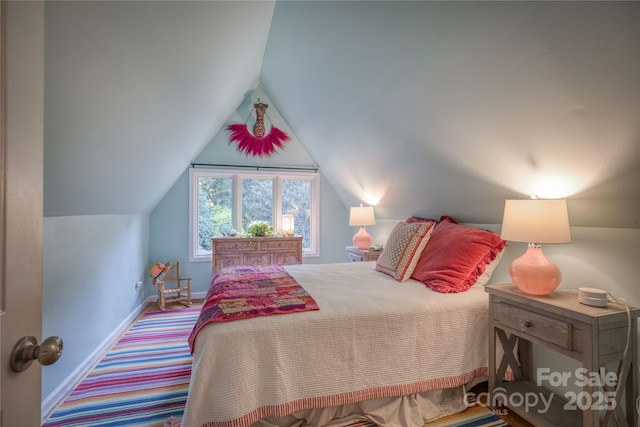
[(419, 107)]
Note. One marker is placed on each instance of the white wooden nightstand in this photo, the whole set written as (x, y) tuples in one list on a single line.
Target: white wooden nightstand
[(594, 336), (357, 255)]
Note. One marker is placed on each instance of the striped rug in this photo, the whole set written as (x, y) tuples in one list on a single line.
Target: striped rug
[(143, 379)]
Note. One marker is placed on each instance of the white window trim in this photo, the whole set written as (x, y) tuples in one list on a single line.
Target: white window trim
[(236, 174)]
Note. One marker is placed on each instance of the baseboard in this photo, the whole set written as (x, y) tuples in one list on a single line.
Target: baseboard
[(58, 395)]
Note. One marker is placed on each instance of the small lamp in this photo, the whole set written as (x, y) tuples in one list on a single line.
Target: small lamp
[(287, 224), (361, 216), (535, 221)]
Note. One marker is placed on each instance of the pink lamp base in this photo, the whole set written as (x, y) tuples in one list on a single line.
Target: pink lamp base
[(535, 274), (362, 239)]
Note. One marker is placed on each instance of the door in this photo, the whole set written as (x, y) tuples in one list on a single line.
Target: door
[(21, 172)]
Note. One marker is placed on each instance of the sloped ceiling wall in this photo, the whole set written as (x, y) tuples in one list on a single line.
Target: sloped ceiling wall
[(134, 90), (221, 151), (423, 108), (438, 108)]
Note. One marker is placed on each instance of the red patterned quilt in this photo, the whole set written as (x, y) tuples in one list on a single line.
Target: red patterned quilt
[(251, 291)]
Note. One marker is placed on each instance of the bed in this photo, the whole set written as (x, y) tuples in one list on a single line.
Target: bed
[(390, 351)]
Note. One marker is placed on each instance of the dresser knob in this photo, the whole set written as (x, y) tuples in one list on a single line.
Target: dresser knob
[(527, 324)]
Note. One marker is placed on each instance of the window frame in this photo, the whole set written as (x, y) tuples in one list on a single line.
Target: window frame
[(237, 175)]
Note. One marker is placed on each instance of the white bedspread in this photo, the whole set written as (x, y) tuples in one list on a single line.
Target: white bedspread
[(372, 337)]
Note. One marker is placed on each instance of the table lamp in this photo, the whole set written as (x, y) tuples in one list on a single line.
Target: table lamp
[(288, 224), (535, 221), (361, 216)]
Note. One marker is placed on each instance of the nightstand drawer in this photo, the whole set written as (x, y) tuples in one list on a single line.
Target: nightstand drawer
[(354, 257), (535, 325)]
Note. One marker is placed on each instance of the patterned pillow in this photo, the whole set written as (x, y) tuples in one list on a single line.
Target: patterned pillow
[(403, 248)]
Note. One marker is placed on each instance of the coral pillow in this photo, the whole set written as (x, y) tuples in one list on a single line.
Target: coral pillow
[(403, 248), (413, 219), (456, 257)]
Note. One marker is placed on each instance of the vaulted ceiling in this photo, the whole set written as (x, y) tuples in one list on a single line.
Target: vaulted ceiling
[(135, 89), (419, 107)]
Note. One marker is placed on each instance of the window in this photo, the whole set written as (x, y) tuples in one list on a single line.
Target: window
[(222, 199)]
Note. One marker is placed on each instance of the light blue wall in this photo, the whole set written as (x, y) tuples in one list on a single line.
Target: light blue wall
[(169, 221), (91, 264), (597, 257)]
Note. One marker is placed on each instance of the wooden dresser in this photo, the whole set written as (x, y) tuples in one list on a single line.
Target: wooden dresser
[(234, 251)]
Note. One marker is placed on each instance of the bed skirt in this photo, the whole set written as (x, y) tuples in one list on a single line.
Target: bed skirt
[(408, 411)]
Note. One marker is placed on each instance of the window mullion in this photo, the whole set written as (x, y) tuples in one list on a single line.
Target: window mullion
[(236, 195), (277, 203)]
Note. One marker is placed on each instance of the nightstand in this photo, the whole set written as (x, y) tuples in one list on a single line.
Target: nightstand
[(594, 336), (356, 255)]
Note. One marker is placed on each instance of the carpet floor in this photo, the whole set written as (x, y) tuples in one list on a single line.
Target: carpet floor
[(143, 380)]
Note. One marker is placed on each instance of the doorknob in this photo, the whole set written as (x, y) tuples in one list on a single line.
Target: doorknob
[(27, 350)]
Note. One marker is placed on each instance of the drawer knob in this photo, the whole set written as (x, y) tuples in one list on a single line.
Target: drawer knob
[(527, 324)]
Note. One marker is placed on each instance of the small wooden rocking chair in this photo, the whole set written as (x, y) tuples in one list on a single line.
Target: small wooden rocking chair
[(169, 294)]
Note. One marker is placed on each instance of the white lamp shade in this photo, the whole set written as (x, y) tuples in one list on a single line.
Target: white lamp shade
[(362, 215), (536, 221)]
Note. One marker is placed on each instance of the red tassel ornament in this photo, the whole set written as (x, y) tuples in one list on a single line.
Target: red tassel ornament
[(259, 147), (257, 144)]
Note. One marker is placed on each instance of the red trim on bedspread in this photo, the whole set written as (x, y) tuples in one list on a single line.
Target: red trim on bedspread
[(346, 398), (250, 291)]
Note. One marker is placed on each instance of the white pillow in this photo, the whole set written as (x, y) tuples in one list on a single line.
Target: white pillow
[(484, 278)]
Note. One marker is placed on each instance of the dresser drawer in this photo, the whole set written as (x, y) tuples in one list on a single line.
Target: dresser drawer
[(286, 258), (223, 261), (280, 245), (536, 325), (234, 245), (256, 258)]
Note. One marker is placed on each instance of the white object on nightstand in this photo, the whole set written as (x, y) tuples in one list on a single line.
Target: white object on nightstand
[(592, 296)]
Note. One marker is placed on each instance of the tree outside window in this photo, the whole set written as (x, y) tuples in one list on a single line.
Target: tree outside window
[(237, 198)]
